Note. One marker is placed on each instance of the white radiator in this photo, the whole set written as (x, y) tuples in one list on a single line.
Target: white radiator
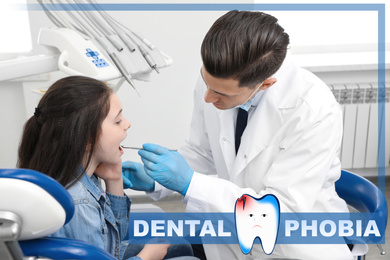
[(360, 110)]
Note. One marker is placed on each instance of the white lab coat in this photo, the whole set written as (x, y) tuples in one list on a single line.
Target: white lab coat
[(289, 148)]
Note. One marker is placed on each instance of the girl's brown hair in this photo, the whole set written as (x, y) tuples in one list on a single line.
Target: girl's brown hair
[(60, 138)]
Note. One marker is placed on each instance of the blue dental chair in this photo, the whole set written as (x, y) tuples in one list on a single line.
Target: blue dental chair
[(33, 206), (363, 196)]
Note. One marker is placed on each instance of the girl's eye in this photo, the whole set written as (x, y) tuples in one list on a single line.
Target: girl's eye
[(118, 122)]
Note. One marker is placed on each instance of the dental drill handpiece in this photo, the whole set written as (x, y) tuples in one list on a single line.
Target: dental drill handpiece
[(122, 69), (148, 58)]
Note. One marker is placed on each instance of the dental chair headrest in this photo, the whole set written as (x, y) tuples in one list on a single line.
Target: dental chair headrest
[(42, 204)]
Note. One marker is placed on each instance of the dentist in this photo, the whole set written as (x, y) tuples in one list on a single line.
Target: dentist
[(262, 125)]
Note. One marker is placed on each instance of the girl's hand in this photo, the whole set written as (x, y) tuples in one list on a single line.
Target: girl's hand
[(154, 251), (112, 176)]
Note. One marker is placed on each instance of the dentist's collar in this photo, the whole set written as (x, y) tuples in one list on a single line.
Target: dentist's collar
[(253, 101)]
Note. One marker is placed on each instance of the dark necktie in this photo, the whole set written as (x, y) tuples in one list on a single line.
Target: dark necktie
[(242, 119)]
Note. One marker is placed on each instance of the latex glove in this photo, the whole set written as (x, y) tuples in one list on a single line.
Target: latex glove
[(168, 168), (134, 177)]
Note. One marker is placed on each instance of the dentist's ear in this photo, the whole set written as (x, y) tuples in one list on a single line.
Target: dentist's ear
[(268, 83)]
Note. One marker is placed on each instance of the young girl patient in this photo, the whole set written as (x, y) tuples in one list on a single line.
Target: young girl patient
[(74, 136)]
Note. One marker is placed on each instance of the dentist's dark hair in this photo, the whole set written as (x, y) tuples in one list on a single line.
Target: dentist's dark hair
[(60, 138), (245, 46)]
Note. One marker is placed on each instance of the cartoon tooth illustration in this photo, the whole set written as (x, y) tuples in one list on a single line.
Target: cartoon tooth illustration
[(257, 218)]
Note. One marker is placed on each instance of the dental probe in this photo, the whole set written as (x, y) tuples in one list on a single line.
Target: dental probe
[(140, 148)]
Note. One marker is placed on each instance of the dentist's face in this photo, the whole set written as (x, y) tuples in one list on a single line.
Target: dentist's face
[(226, 93)]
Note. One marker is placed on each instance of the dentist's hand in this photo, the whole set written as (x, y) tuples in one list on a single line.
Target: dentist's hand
[(134, 177), (168, 168)]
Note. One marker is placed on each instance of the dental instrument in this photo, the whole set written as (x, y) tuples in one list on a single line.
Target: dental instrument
[(92, 43), (140, 148)]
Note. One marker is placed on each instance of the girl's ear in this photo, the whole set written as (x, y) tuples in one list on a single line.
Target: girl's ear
[(268, 83)]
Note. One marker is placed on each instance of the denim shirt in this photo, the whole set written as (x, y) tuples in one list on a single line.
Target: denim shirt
[(100, 218)]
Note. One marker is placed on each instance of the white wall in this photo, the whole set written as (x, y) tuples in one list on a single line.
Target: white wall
[(162, 113), (324, 27), (11, 117)]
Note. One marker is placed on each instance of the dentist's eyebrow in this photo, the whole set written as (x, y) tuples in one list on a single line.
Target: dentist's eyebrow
[(219, 93)]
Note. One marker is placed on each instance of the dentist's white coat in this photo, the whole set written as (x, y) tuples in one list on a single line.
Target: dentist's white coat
[(290, 149)]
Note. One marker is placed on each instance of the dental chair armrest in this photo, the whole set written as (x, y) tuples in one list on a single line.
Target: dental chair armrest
[(63, 248)]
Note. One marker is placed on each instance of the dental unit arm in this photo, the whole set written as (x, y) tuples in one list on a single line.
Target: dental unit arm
[(91, 43)]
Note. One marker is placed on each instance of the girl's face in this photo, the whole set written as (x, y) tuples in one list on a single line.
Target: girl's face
[(114, 129)]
